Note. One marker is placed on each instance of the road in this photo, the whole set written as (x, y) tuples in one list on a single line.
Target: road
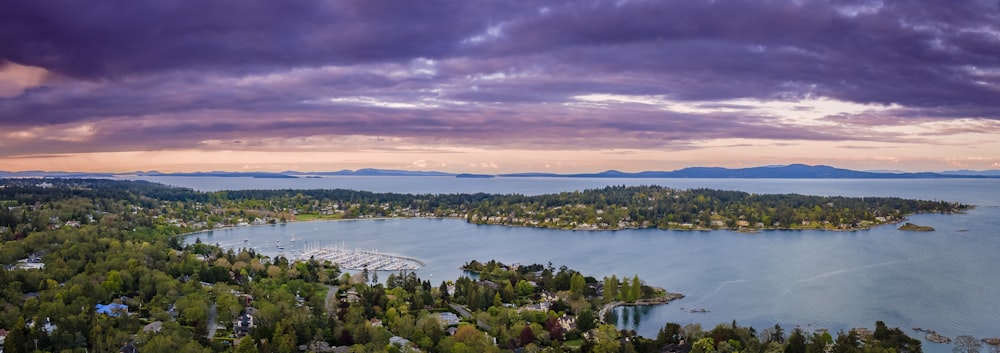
[(331, 299), (466, 314), (211, 321)]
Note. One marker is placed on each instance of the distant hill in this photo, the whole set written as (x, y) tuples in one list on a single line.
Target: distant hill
[(44, 174), (480, 176), (371, 172), (793, 171), (220, 174), (966, 172)]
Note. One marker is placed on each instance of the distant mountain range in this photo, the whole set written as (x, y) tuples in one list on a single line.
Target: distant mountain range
[(370, 172), (45, 174), (993, 173), (793, 171)]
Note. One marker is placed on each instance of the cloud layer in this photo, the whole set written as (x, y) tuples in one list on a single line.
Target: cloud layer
[(261, 75)]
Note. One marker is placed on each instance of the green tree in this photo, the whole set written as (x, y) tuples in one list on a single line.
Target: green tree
[(610, 288), (524, 288), (17, 337), (796, 342), (576, 284), (635, 292), (586, 320), (704, 345), (669, 334), (606, 339), (246, 345), (846, 343), (113, 284), (819, 343)]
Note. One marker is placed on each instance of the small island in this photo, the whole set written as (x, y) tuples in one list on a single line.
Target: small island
[(910, 227), (474, 176)]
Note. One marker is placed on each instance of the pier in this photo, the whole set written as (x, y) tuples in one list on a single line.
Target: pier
[(357, 259)]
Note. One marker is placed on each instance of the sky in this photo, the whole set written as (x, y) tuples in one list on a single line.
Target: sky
[(498, 86)]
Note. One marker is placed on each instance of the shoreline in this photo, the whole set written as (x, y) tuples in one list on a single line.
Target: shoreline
[(661, 300), (736, 230)]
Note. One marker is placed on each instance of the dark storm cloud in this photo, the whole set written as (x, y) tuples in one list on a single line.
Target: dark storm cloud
[(103, 39), (163, 74)]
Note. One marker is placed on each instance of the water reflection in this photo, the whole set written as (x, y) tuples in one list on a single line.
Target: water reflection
[(628, 316)]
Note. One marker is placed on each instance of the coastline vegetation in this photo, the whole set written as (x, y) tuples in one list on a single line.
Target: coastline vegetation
[(609, 208), (916, 228), (68, 246)]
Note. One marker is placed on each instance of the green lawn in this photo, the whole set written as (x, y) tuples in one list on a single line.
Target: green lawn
[(316, 216), (573, 344)]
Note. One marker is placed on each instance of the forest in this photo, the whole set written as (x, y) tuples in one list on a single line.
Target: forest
[(72, 248), (609, 208)]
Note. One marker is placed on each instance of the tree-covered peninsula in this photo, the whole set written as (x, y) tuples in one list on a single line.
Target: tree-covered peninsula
[(613, 207)]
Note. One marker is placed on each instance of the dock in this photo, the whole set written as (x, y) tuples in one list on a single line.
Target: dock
[(358, 259)]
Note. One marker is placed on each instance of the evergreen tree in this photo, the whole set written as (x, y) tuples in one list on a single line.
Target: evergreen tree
[(610, 288), (17, 337), (444, 290), (576, 284), (796, 342), (636, 290)]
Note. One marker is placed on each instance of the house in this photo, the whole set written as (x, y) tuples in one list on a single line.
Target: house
[(375, 322), (351, 296), (676, 348), (3, 336), (129, 348), (447, 319), (543, 306), (400, 342), (489, 284), (154, 327), (567, 322), (112, 310), (323, 347), (48, 327), (245, 299), (33, 262), (243, 325)]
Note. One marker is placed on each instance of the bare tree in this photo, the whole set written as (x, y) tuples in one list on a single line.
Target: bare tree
[(967, 344)]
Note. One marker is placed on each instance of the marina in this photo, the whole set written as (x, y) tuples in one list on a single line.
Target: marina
[(357, 259)]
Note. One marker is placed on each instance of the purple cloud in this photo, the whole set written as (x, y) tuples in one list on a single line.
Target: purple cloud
[(152, 75)]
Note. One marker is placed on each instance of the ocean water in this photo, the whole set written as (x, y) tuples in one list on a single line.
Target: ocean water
[(945, 280)]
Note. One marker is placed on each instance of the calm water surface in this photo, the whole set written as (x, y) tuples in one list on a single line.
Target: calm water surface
[(947, 280)]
